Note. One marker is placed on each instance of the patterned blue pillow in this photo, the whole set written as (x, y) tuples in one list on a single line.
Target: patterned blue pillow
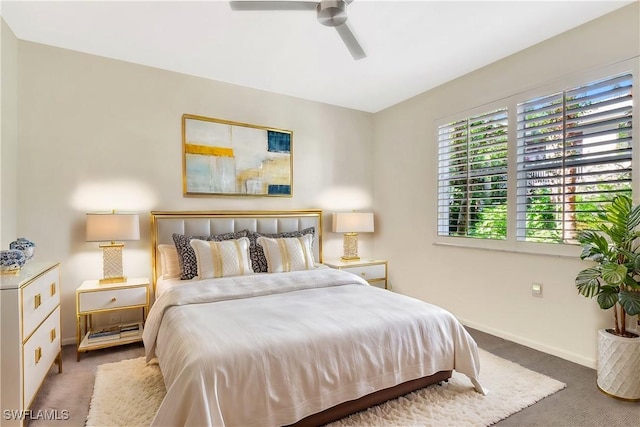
[(186, 255)]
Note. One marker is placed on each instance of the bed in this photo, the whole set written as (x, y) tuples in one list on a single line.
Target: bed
[(301, 347)]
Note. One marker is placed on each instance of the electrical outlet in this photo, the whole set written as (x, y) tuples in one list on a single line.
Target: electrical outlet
[(114, 318), (536, 289)]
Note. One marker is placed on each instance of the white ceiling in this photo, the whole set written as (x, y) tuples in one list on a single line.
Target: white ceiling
[(412, 46)]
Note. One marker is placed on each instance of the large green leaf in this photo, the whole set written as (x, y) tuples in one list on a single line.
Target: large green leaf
[(608, 297), (632, 283), (634, 261), (594, 246), (633, 220), (630, 301), (613, 274), (618, 212), (623, 219), (631, 258), (587, 282)]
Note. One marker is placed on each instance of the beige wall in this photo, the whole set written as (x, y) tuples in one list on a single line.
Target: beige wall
[(489, 290), (97, 134), (8, 135)]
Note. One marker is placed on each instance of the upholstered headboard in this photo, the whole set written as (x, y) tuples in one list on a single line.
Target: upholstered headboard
[(203, 223)]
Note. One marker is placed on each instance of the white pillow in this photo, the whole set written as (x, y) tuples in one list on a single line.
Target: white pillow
[(221, 259), (288, 254), (169, 261)]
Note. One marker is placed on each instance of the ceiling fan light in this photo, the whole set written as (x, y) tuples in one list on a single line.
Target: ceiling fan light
[(332, 12)]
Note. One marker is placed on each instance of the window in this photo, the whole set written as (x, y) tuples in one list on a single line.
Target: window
[(573, 154), (528, 172), (472, 177)]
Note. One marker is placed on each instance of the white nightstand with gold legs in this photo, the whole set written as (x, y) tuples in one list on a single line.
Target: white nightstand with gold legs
[(373, 271), (93, 298)]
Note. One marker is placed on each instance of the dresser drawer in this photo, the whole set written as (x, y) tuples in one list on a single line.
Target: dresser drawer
[(111, 299), (39, 298), (40, 351), (368, 272)]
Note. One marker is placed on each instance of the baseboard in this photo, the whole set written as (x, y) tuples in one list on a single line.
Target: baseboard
[(69, 341), (572, 357)]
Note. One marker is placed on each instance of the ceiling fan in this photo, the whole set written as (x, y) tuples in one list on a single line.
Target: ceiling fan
[(332, 13)]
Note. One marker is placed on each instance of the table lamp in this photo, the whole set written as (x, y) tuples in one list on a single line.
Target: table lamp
[(111, 227), (351, 224)]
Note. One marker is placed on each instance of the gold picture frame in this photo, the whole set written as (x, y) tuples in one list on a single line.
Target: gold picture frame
[(222, 157)]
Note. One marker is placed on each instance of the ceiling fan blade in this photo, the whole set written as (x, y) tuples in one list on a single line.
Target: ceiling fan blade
[(351, 41), (273, 5)]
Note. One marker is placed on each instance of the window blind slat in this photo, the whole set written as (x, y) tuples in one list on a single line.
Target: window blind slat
[(623, 105)]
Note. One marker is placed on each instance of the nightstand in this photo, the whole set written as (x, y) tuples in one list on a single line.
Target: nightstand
[(93, 298), (373, 271)]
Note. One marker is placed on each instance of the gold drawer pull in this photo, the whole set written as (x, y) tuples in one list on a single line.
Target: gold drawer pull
[(363, 274), (37, 300), (52, 334), (53, 288), (38, 354), (113, 299)]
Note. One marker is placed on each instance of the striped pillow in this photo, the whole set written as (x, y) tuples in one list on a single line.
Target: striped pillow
[(169, 261), (186, 257), (221, 259), (288, 254), (258, 259)]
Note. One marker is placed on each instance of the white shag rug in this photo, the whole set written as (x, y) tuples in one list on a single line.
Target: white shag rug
[(128, 393)]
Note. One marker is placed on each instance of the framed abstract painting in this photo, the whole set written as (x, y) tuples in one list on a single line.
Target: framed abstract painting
[(221, 157)]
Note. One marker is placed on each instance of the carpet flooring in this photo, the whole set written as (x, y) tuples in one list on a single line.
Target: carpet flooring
[(580, 404), (127, 393)]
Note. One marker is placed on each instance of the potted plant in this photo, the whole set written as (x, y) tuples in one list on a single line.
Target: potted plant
[(614, 282)]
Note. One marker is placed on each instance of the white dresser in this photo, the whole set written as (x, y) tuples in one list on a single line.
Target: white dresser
[(30, 314)]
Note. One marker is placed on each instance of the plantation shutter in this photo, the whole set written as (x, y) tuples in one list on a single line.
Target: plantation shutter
[(574, 154), (472, 176)]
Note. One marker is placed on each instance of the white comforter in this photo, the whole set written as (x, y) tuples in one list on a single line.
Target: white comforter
[(271, 349)]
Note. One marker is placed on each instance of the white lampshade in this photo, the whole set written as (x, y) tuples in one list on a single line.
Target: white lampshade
[(353, 222), (111, 227)]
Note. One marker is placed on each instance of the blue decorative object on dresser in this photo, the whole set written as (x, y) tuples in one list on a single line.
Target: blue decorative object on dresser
[(25, 245), (12, 260)]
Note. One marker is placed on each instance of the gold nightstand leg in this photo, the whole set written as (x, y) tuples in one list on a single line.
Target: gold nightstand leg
[(82, 325)]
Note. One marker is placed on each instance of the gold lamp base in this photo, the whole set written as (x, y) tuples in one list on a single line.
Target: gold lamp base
[(350, 247), (112, 263)]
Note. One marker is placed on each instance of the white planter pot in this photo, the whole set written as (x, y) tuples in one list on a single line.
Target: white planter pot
[(619, 365)]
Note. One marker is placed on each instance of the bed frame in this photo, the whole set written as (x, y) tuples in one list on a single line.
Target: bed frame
[(165, 223)]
